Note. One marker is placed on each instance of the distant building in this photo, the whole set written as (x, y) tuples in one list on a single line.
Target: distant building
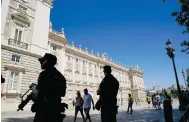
[(157, 88)]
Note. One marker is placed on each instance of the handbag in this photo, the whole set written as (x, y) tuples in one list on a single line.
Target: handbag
[(97, 105)]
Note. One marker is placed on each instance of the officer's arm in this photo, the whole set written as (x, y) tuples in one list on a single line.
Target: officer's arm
[(64, 90)]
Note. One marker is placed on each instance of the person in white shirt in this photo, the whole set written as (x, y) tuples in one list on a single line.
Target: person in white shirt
[(87, 98), (157, 101)]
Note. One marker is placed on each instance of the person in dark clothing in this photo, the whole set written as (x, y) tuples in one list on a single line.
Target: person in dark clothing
[(2, 79), (130, 104), (108, 90), (51, 87)]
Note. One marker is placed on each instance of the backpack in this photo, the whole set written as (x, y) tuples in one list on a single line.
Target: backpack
[(61, 85)]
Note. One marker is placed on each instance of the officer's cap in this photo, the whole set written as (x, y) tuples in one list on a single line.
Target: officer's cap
[(51, 58)]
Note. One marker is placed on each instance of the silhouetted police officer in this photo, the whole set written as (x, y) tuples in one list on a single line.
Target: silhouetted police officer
[(108, 90), (51, 86)]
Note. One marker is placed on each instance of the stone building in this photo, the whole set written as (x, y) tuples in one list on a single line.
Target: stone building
[(26, 35)]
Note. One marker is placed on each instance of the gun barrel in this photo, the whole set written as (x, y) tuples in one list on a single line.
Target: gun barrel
[(24, 102)]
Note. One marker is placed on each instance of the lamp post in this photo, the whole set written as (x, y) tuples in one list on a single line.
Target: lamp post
[(171, 54), (184, 78)]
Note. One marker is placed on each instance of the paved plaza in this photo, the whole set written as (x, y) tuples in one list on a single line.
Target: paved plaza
[(140, 114)]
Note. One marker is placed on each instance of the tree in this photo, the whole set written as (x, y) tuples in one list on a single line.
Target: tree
[(182, 17), (174, 92)]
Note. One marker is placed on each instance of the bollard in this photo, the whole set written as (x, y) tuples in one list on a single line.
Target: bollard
[(168, 114)]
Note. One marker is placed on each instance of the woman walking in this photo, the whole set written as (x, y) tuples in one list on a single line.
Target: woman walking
[(79, 106)]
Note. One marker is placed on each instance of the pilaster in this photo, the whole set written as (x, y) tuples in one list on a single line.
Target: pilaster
[(7, 75), (19, 82), (73, 69)]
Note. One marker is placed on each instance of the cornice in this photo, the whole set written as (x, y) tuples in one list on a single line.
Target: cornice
[(19, 51), (84, 54), (58, 38)]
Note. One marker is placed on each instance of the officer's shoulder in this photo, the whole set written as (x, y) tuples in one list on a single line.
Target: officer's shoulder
[(42, 73)]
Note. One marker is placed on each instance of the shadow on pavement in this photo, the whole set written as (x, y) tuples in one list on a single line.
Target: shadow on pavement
[(147, 115), (95, 118)]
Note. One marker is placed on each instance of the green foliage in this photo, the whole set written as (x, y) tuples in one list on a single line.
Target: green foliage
[(174, 92), (182, 17)]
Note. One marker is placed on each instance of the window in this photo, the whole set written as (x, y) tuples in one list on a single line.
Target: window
[(13, 80), (18, 35), (22, 8), (54, 48), (76, 60), (15, 58)]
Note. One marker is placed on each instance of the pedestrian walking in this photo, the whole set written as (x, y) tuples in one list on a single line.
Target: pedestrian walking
[(136, 101), (87, 104), (157, 101), (161, 101), (108, 90), (148, 100), (79, 106), (130, 104)]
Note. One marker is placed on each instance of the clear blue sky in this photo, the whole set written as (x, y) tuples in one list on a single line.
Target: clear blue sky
[(130, 31)]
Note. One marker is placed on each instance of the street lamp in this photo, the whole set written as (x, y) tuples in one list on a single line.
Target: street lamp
[(184, 78), (171, 54)]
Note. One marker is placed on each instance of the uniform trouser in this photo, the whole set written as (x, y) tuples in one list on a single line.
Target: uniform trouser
[(108, 114), (48, 117)]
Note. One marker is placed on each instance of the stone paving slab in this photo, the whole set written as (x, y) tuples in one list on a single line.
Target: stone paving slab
[(139, 115)]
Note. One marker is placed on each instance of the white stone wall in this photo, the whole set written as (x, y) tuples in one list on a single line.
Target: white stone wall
[(41, 28), (28, 68)]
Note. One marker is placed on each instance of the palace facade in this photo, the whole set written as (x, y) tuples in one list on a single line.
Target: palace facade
[(26, 35)]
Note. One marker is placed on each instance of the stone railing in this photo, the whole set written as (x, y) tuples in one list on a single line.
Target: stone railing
[(18, 44)]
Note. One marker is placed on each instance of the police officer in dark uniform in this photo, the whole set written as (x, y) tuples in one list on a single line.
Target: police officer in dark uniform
[(51, 86), (108, 90)]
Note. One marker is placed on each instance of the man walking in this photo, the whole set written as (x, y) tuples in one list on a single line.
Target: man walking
[(108, 90), (51, 87), (130, 104), (87, 98)]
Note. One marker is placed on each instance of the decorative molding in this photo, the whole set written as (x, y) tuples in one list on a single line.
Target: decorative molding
[(14, 67), (20, 20), (58, 38), (20, 51)]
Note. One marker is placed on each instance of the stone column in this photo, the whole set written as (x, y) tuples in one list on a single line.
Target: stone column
[(87, 72), (93, 68), (19, 82), (5, 88), (73, 69), (80, 69), (62, 60), (49, 47), (7, 76), (99, 75)]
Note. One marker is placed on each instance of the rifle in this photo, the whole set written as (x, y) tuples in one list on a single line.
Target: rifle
[(31, 96)]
